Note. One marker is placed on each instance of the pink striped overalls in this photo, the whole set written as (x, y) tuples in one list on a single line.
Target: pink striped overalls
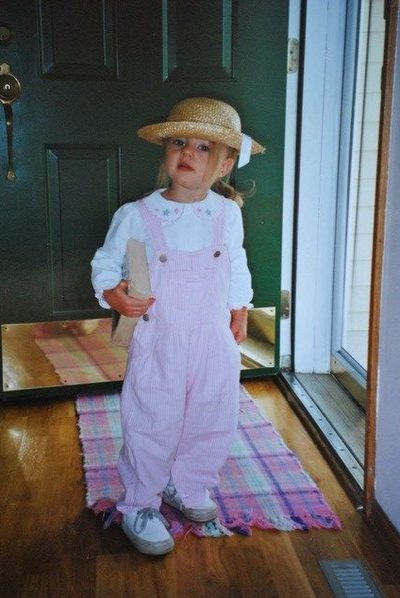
[(180, 397)]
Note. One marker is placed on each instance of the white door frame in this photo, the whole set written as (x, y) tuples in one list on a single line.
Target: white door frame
[(288, 206), (317, 185)]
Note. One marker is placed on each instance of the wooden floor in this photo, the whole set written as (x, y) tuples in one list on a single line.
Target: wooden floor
[(52, 546)]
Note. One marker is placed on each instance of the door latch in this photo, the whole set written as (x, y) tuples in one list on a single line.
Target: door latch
[(10, 90)]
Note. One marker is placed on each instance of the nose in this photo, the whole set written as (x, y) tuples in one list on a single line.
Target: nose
[(187, 150)]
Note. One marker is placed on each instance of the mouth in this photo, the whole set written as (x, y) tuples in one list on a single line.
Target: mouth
[(184, 166)]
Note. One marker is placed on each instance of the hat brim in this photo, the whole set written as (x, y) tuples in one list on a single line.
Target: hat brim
[(158, 132)]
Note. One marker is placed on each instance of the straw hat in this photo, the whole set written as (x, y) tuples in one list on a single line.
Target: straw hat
[(203, 118)]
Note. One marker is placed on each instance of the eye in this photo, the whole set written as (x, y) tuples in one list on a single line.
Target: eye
[(177, 141), (203, 147)]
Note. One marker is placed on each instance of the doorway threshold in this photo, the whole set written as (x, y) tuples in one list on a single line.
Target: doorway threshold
[(338, 419)]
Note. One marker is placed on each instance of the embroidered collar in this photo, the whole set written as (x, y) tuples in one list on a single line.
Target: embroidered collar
[(170, 211)]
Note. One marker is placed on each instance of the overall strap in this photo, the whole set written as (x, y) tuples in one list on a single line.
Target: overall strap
[(153, 226), (219, 225)]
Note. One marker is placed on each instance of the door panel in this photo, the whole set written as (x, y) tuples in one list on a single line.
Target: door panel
[(93, 73), (77, 41), (82, 189), (185, 55)]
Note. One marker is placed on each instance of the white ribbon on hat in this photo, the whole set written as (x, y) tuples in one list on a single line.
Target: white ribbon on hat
[(245, 150)]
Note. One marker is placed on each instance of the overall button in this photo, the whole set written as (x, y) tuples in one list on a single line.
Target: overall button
[(146, 317), (163, 258), (217, 254)]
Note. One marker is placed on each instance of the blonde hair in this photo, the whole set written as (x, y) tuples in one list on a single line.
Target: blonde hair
[(220, 184), (217, 183)]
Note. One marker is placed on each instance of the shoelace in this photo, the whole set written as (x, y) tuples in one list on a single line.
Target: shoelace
[(170, 488), (144, 515), (172, 492)]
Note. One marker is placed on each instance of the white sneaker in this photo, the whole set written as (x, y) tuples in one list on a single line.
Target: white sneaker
[(199, 513), (146, 530)]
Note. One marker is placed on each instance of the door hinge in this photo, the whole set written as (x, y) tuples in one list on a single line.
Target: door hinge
[(286, 363), (285, 305), (293, 55)]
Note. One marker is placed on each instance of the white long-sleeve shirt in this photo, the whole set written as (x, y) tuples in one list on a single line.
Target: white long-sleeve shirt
[(186, 227)]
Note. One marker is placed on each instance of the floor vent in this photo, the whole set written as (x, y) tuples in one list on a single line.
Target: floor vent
[(350, 579)]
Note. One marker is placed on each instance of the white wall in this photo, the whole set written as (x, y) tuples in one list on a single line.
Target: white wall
[(387, 485)]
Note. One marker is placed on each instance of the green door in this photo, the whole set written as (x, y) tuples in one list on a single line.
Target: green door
[(91, 73)]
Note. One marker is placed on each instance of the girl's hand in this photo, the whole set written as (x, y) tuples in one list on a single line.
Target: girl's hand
[(119, 300), (239, 324)]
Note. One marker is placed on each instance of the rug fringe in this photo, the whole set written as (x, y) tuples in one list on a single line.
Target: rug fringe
[(242, 523), (108, 510)]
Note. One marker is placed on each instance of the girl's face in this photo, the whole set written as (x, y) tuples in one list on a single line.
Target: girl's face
[(187, 163)]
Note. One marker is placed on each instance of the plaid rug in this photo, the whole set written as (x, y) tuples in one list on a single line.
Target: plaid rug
[(80, 355), (262, 484)]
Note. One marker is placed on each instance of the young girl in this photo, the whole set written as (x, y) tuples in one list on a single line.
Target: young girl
[(180, 396)]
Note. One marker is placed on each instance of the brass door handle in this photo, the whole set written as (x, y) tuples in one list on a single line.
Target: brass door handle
[(10, 90)]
